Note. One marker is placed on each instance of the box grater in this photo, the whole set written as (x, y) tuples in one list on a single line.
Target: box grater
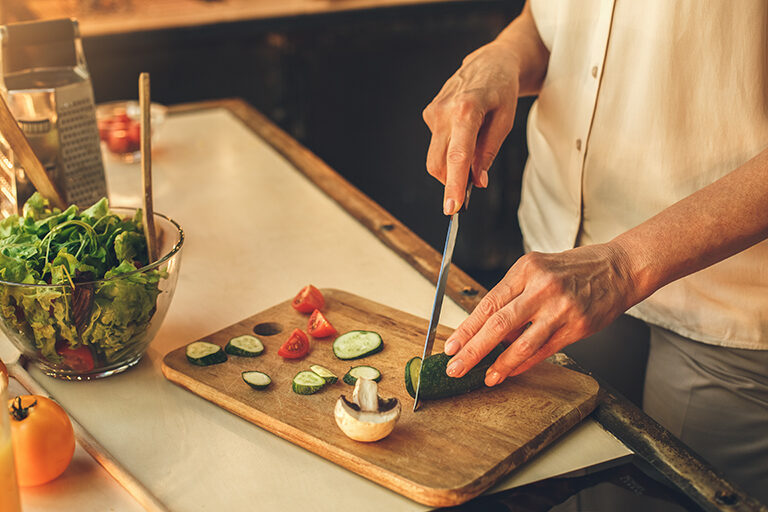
[(45, 80)]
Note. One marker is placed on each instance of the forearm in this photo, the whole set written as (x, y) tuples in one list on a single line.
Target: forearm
[(704, 228), (527, 49)]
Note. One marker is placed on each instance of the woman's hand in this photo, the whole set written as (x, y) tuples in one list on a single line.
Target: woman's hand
[(469, 118), (544, 303)]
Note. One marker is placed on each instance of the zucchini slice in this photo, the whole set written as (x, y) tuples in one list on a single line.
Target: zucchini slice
[(203, 353), (366, 372), (244, 346), (436, 384), (307, 383), (357, 344), (257, 380), (325, 373)]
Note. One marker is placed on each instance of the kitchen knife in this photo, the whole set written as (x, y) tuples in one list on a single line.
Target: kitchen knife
[(450, 243)]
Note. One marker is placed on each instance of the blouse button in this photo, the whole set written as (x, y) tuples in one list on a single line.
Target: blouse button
[(594, 71), (578, 144)]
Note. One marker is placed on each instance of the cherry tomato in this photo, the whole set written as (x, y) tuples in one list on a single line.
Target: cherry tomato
[(296, 346), (105, 125), (121, 117), (79, 359), (134, 135), (308, 300), (117, 139), (319, 326), (43, 439)]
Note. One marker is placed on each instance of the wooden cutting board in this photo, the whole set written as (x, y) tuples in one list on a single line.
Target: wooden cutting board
[(448, 452)]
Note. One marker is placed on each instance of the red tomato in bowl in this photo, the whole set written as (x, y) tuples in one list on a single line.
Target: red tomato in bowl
[(78, 359), (308, 300), (296, 346), (319, 326)]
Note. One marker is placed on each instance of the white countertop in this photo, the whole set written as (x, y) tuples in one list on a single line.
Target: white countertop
[(256, 232)]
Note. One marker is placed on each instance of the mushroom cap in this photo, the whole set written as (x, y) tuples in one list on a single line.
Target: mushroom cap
[(366, 426)]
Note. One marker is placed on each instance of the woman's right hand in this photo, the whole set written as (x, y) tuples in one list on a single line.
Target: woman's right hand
[(470, 118)]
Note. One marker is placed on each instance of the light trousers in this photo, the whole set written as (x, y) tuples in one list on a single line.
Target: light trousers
[(715, 399)]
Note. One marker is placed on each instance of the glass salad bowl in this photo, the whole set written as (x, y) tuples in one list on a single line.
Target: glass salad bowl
[(86, 330)]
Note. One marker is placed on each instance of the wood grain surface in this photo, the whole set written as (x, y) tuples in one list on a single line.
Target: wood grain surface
[(445, 454)]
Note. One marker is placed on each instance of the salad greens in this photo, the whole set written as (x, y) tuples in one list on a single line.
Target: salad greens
[(98, 300)]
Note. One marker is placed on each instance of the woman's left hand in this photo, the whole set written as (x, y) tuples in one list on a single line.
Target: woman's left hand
[(544, 303)]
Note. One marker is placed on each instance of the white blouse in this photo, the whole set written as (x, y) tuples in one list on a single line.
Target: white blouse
[(643, 104)]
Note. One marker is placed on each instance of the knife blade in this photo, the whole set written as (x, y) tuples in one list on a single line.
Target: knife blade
[(437, 305)]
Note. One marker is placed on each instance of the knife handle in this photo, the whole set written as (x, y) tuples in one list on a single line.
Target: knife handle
[(467, 193)]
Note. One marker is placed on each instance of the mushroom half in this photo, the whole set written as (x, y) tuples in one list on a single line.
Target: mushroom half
[(367, 417)]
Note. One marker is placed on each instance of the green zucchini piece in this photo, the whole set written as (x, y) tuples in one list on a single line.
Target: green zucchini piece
[(307, 383), (357, 344), (244, 346), (366, 372), (325, 373), (203, 353), (436, 384), (257, 380)]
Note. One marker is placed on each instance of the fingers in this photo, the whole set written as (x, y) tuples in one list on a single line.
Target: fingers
[(459, 155), (495, 129), (455, 127), (511, 317), (438, 145), (531, 347), (501, 294)]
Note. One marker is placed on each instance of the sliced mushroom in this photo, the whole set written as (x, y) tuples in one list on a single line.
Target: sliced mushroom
[(367, 417)]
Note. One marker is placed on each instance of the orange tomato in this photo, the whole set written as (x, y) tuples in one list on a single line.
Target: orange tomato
[(43, 439)]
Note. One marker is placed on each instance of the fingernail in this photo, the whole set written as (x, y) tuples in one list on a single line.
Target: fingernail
[(484, 179), (451, 347), (455, 368), (492, 378), (450, 204)]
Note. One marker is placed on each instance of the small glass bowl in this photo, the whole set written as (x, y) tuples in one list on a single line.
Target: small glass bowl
[(120, 331), (119, 127)]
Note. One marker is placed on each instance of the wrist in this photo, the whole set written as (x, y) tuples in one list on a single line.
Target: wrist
[(633, 263), (512, 52)]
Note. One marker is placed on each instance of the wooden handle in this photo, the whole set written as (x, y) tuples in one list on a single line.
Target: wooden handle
[(135, 488), (27, 158), (146, 165)]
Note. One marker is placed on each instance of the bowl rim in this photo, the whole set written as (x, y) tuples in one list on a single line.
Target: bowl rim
[(151, 266)]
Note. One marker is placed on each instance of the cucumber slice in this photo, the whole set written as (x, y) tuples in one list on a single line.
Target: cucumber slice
[(325, 373), (366, 372), (244, 346), (306, 383), (436, 384), (257, 380), (203, 353), (357, 344)]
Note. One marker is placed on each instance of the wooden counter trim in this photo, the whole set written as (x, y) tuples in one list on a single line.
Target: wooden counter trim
[(395, 235), (638, 431)]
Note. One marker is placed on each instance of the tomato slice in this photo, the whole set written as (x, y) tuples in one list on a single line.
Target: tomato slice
[(319, 326), (296, 346), (308, 300), (77, 359)]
